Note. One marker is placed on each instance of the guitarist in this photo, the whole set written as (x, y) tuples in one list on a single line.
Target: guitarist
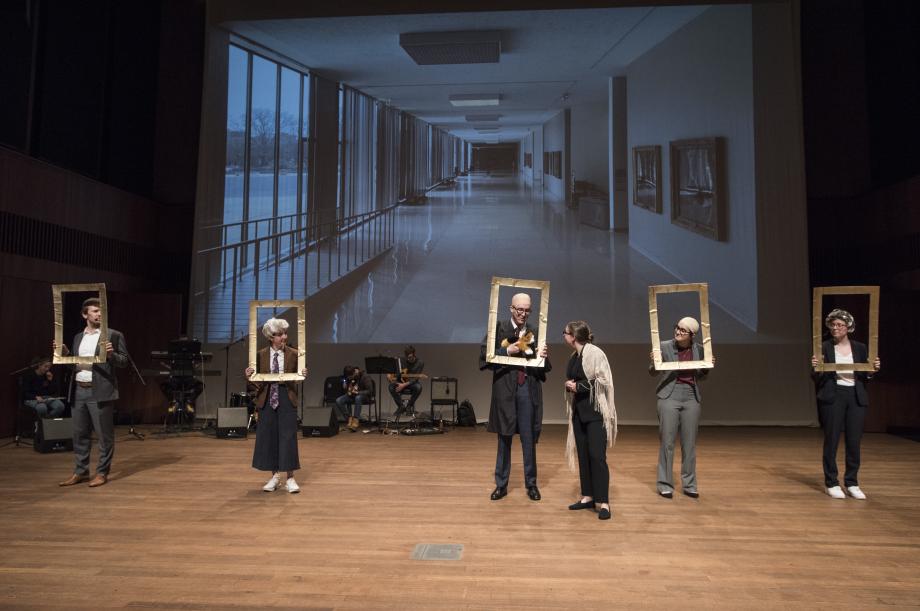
[(359, 388), (407, 381)]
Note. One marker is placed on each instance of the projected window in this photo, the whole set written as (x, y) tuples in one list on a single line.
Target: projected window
[(267, 128)]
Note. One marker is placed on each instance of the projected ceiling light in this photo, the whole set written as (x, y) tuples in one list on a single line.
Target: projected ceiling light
[(475, 99), (439, 48), (483, 117), (482, 129)]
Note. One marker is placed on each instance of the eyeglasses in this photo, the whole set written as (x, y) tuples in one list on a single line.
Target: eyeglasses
[(521, 310), (838, 325), (279, 333), (679, 331), (567, 333)]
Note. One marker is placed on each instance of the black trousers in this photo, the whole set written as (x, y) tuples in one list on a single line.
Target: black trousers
[(276, 436), (591, 445), (846, 416), (414, 388), (525, 425)]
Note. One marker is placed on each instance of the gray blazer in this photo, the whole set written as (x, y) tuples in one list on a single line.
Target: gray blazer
[(105, 384), (667, 379)]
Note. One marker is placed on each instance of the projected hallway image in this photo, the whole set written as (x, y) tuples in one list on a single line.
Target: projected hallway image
[(433, 286)]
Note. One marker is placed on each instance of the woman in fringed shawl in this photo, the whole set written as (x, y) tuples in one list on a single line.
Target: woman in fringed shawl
[(593, 417)]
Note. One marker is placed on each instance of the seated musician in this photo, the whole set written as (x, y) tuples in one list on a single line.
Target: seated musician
[(181, 388), (41, 392), (408, 381), (359, 389)]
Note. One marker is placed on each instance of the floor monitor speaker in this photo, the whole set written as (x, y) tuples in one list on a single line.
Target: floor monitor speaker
[(319, 422), (53, 435)]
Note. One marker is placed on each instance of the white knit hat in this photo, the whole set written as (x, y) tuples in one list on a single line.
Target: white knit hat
[(690, 324)]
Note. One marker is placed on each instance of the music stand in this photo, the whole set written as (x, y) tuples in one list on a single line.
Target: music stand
[(380, 365)]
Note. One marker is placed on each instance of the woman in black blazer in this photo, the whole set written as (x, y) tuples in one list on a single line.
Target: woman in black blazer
[(842, 402)]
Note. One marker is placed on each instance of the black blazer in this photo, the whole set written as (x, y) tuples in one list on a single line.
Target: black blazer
[(502, 413), (826, 383)]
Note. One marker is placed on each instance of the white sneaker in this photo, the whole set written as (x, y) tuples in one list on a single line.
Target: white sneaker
[(836, 493), (856, 493), (291, 486), (272, 484)]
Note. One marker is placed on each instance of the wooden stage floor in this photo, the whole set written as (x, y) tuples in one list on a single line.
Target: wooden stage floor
[(183, 524)]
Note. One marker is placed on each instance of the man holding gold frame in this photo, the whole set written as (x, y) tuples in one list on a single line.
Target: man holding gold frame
[(97, 351), (517, 356)]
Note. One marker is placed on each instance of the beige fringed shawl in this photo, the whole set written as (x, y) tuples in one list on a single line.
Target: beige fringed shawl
[(597, 370)]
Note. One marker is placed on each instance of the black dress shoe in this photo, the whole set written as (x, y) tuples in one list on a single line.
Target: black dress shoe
[(582, 505), (499, 492), (693, 494), (666, 493), (603, 514), (534, 493)]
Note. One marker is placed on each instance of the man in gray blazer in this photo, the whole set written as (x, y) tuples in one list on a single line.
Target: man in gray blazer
[(95, 388)]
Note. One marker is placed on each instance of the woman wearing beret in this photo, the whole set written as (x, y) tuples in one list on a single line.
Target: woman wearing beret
[(593, 417), (276, 435), (679, 408), (842, 402)]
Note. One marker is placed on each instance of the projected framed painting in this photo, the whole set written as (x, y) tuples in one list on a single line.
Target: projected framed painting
[(57, 296), (647, 177), (702, 289), (818, 314), (697, 192), (543, 316), (255, 333)]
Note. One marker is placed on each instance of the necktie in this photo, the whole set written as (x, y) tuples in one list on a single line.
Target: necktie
[(273, 399), (522, 375)]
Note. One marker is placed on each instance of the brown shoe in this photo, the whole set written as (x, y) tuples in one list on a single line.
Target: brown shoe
[(99, 480), (74, 479)]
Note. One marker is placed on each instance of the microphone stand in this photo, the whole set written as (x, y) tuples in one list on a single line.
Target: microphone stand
[(19, 406), (131, 429), (226, 350)]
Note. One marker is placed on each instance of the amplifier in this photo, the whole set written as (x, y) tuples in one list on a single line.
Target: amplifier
[(232, 422), (53, 435), (319, 422), (443, 389)]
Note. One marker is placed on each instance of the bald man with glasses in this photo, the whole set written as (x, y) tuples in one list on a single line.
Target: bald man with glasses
[(517, 396)]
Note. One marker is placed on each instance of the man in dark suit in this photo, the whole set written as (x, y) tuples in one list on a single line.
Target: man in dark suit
[(517, 397), (95, 388)]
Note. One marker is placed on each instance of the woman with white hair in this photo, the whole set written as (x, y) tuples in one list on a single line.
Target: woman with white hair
[(842, 402), (679, 408), (276, 435), (593, 417)]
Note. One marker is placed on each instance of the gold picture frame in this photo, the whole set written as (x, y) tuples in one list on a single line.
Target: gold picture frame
[(702, 289), (647, 177), (57, 297), (255, 334), (497, 283), (817, 325)]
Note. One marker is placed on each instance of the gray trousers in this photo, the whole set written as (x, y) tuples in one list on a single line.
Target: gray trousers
[(679, 412), (90, 415)]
